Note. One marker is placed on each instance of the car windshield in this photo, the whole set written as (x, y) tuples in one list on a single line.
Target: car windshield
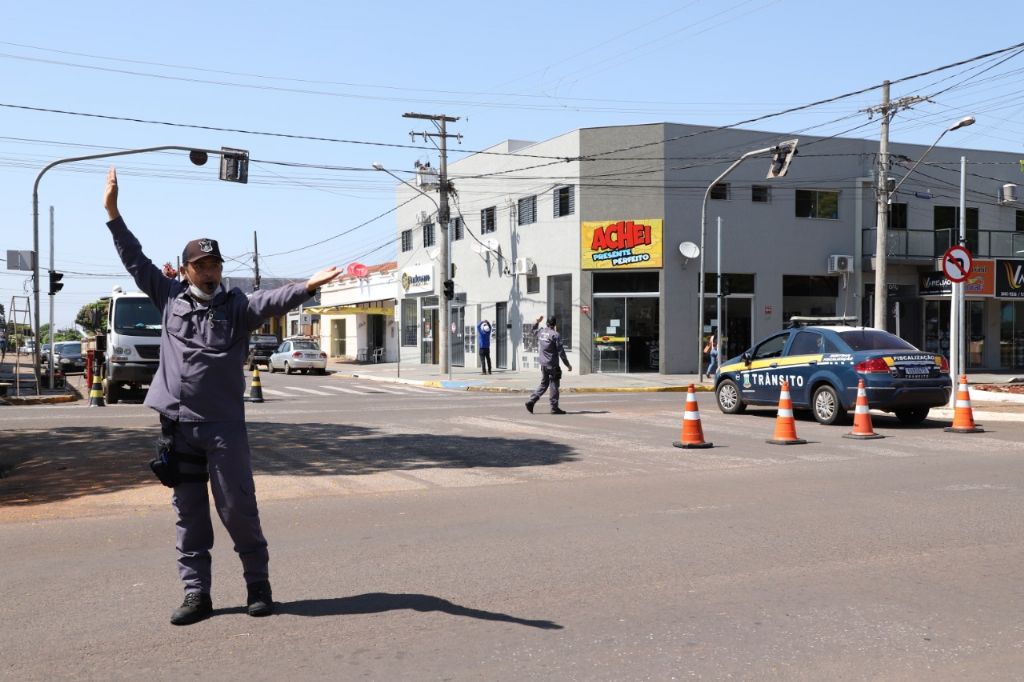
[(304, 345), (873, 339), (69, 349), (136, 317)]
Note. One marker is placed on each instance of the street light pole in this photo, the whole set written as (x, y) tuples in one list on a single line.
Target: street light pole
[(197, 156), (790, 147)]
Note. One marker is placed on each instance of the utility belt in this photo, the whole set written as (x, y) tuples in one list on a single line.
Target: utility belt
[(167, 464)]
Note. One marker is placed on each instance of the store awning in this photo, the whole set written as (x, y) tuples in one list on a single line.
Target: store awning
[(349, 310)]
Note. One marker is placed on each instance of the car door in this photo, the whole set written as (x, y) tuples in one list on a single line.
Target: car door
[(277, 359), (759, 381), (800, 361)]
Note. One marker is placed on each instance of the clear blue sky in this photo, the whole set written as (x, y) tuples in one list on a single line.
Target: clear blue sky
[(524, 70)]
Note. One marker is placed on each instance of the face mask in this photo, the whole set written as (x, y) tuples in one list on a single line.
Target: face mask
[(199, 294)]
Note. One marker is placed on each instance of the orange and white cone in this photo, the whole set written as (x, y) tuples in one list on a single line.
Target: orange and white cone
[(963, 416), (862, 429), (692, 435), (785, 426)]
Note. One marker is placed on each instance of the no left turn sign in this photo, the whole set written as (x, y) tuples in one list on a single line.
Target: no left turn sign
[(956, 263)]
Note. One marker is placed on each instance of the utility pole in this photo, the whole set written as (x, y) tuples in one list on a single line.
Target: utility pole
[(440, 120), (256, 261), (887, 110)]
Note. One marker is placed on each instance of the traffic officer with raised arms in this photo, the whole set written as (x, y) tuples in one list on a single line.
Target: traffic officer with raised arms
[(198, 391), (549, 351)]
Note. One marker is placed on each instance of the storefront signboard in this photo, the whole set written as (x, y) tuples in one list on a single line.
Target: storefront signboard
[(934, 284), (418, 279), (982, 280), (1010, 278), (621, 244)]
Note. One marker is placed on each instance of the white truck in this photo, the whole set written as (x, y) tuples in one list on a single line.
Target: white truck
[(132, 344)]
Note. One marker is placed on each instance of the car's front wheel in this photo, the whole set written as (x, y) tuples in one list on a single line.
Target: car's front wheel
[(728, 395), (912, 416), (826, 406)]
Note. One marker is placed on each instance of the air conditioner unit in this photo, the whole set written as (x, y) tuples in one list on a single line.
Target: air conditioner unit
[(838, 264), (525, 266)]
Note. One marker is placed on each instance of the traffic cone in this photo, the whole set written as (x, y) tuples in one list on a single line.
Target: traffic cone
[(255, 389), (963, 417), (96, 392), (785, 426), (862, 429), (692, 435)]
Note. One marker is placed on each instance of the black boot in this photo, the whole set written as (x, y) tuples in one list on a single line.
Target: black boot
[(260, 601), (557, 410), (529, 406), (196, 607)]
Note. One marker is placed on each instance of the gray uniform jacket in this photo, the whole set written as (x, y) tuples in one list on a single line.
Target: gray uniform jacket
[(549, 347), (203, 345)]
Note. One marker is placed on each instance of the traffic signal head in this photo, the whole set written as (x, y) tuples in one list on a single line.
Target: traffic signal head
[(783, 154), (449, 289), (55, 282)]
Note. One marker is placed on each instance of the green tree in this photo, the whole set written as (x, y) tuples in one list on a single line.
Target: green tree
[(92, 317)]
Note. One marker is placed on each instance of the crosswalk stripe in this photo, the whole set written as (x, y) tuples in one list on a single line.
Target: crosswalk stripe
[(410, 389), (274, 391), (378, 389), (308, 390), (342, 389)]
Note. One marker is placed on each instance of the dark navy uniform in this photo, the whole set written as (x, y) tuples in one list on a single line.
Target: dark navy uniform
[(549, 351), (198, 391)]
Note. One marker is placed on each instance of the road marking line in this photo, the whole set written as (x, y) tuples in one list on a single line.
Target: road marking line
[(307, 390), (343, 390), (274, 391)]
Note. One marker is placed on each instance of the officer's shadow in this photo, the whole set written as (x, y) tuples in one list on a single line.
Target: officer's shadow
[(379, 602)]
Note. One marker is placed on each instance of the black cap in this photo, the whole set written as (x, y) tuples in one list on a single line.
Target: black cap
[(201, 248)]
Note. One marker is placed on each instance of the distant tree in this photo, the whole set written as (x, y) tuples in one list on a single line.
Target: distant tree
[(92, 317)]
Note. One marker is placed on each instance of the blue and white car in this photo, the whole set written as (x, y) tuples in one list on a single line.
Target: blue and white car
[(823, 365)]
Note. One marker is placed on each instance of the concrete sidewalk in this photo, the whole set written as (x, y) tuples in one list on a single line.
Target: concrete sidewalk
[(525, 381)]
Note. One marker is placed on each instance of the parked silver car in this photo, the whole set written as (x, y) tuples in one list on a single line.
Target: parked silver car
[(303, 355)]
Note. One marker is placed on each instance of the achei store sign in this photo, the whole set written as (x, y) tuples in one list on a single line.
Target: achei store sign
[(621, 244)]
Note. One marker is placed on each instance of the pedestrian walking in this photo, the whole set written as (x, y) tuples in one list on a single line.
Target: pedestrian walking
[(549, 351), (483, 331), (711, 350), (198, 392)]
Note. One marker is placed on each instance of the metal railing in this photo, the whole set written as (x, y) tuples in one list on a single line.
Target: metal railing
[(933, 243)]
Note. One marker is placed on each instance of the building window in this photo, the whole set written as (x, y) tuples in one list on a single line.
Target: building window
[(527, 213), (457, 227), (564, 201), (761, 194), (946, 220), (406, 240), (897, 216), (560, 305), (720, 191), (408, 321), (808, 295), (532, 284), (487, 220), (817, 203), (428, 234), (1020, 221)]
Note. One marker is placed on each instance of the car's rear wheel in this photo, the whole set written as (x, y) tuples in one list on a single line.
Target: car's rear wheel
[(826, 406), (728, 396), (914, 415), (287, 369)]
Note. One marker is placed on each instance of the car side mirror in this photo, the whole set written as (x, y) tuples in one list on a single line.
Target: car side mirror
[(746, 357)]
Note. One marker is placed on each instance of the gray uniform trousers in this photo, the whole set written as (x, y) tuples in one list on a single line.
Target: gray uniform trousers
[(548, 376), (226, 447)]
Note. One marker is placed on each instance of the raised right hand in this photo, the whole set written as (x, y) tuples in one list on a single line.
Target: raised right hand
[(110, 195)]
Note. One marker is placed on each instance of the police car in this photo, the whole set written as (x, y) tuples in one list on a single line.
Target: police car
[(823, 363)]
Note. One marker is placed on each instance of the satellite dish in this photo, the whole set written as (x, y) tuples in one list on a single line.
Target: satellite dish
[(689, 249)]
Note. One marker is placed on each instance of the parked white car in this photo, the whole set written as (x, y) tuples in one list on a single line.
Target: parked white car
[(303, 355)]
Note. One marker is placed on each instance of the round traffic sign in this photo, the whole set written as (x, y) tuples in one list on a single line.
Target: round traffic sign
[(956, 263)]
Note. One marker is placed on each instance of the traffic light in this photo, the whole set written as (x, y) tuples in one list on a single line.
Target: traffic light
[(55, 282), (234, 165), (449, 289), (783, 154)]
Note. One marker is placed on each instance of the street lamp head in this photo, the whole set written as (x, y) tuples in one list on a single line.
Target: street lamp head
[(963, 123), (198, 157), (377, 165)]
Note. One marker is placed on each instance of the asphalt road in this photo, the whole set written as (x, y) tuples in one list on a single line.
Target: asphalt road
[(426, 534)]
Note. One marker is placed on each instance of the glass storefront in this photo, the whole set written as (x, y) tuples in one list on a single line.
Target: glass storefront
[(1011, 335), (626, 322), (936, 329)]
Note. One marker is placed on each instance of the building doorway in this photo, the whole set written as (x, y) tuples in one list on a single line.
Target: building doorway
[(736, 314), (428, 327), (500, 335), (338, 338), (458, 340), (626, 333)]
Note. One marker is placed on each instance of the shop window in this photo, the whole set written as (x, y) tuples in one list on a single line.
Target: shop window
[(408, 321), (720, 191), (560, 305), (1020, 221), (732, 283), (527, 210), (406, 240), (817, 203), (428, 234), (761, 194), (809, 296), (487, 223), (564, 201)]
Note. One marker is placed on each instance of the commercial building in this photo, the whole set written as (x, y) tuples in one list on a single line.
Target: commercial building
[(357, 314), (588, 227)]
